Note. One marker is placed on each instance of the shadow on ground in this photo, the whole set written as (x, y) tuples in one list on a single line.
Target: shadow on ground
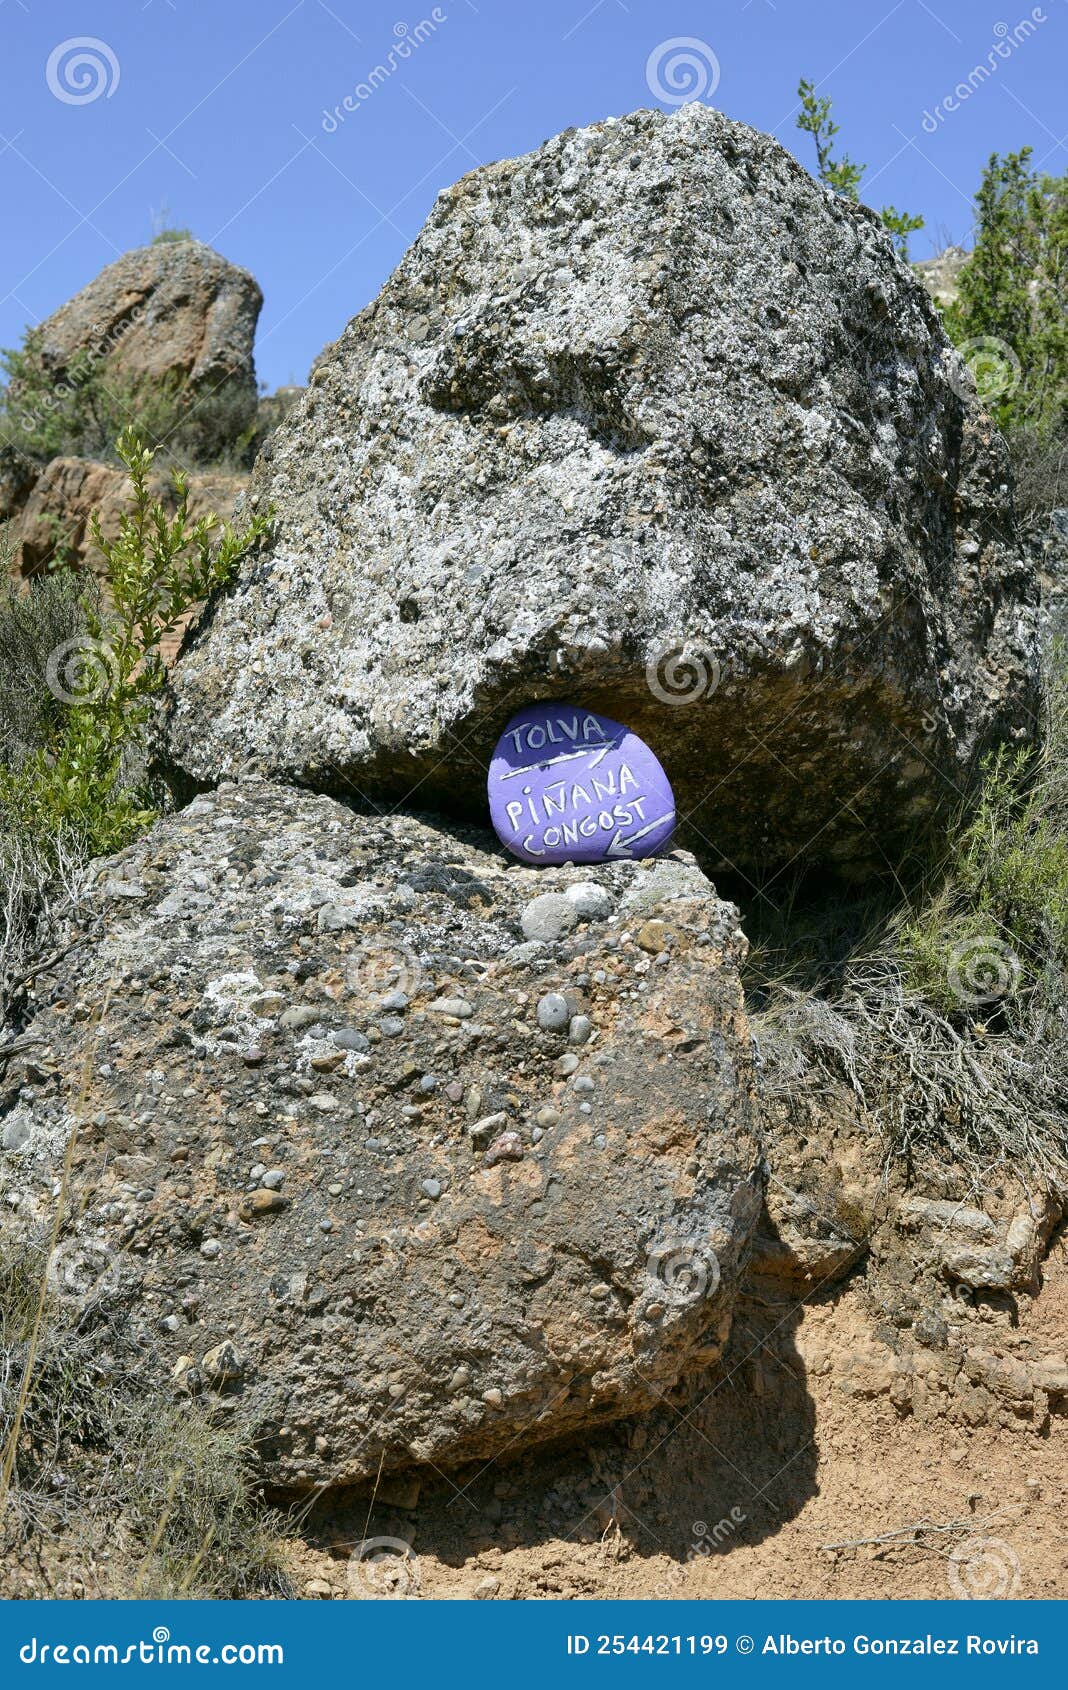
[(727, 1460)]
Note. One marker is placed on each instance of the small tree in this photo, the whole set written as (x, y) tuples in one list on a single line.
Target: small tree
[(1014, 289), (842, 174)]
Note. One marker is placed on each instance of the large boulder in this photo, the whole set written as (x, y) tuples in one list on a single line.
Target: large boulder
[(172, 314), (407, 1154), (651, 421)]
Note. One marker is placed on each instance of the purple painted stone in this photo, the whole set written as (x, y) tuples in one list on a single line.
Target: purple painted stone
[(567, 786)]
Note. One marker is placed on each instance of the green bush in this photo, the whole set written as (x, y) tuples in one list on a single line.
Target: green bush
[(1004, 886), (45, 617), (946, 1019), (1014, 289), (154, 571)]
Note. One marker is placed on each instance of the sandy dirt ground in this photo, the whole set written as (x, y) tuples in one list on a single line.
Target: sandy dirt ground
[(740, 1490)]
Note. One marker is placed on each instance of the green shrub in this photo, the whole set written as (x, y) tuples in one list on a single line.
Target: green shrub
[(947, 1019), (154, 571), (34, 623), (1004, 885), (1014, 289), (1040, 463)]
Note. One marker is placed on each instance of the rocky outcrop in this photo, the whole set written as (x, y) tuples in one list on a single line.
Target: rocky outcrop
[(167, 331), (174, 313), (941, 275), (651, 421), (410, 1155), (17, 476)]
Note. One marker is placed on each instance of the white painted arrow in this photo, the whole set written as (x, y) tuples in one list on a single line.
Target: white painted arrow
[(620, 847), (599, 753)]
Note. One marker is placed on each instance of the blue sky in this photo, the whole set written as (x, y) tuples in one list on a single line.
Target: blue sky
[(211, 113)]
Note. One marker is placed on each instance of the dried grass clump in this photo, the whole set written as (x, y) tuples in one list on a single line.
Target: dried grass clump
[(949, 1018), (93, 1448)]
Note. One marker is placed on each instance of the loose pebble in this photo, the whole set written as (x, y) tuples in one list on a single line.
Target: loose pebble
[(554, 1012)]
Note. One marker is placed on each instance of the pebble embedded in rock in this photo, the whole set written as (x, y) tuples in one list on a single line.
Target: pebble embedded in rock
[(16, 1134), (484, 1129), (348, 1038), (549, 917), (431, 1188), (567, 785), (579, 1029), (654, 936), (458, 1008), (262, 1202), (507, 1148), (554, 1012), (591, 901), (301, 1015), (222, 1364)]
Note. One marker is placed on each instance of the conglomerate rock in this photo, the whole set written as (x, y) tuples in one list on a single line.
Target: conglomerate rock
[(357, 1155), (652, 422)]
